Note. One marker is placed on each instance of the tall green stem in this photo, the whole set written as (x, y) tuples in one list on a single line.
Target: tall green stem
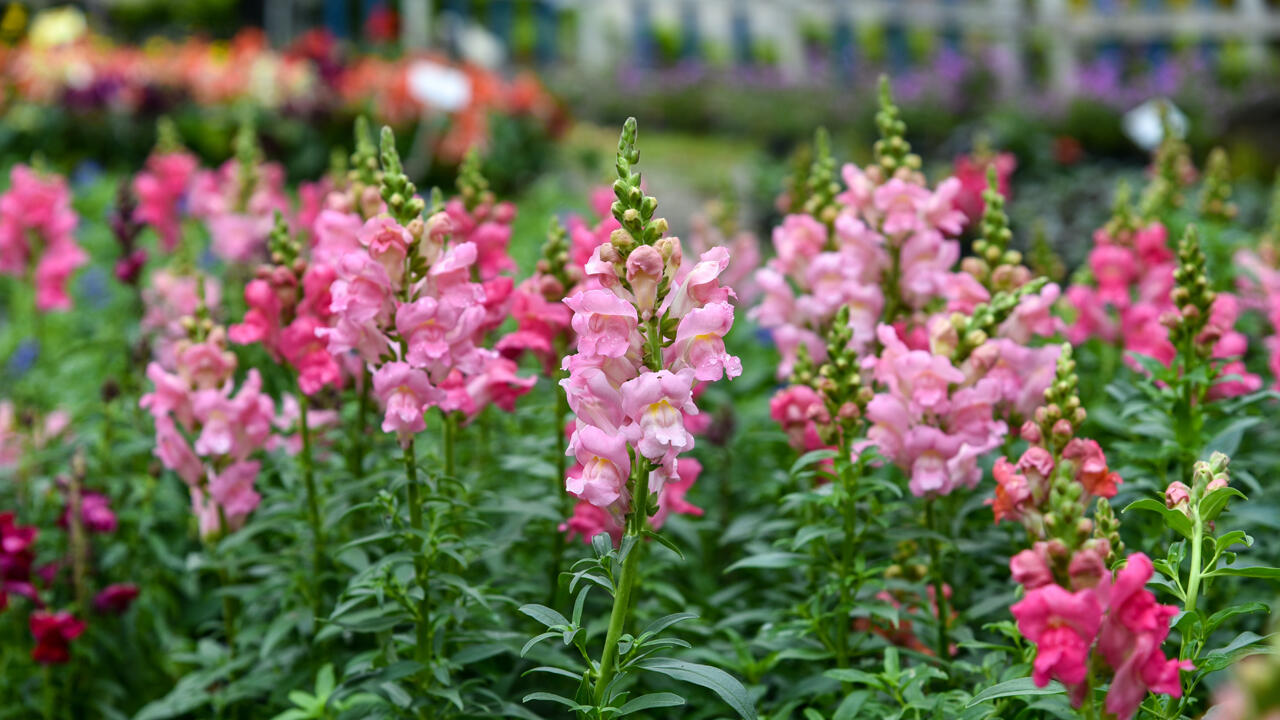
[(557, 491), (421, 569), (450, 439), (637, 521), (848, 550), (1193, 581), (313, 503), (361, 427), (939, 587)]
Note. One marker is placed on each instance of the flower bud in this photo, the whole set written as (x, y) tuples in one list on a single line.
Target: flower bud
[(1177, 494), (1031, 433), (644, 270)]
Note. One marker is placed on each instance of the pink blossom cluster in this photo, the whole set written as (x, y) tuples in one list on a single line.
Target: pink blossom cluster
[(168, 298), (287, 304), (932, 419), (15, 439), (890, 242), (239, 211), (1100, 615), (1130, 304), (744, 254), (1022, 488), (161, 189), (629, 389), (198, 400), (1259, 286), (971, 171), (37, 235), (405, 303)]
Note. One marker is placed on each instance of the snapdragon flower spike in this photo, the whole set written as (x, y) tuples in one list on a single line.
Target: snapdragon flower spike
[(1115, 624), (129, 265), (238, 202), (993, 263), (979, 172), (288, 301), (405, 302), (821, 183), (206, 431), (649, 330), (1201, 325), (887, 254), (162, 186), (1132, 274), (1215, 197), (542, 319), (37, 235), (1171, 173)]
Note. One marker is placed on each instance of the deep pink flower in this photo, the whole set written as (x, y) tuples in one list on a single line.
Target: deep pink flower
[(588, 521), (53, 632), (1114, 269), (1013, 494), (497, 383), (115, 599), (1063, 626), (1030, 568), (971, 172), (95, 513), (160, 189), (309, 354), (388, 244), (1091, 467)]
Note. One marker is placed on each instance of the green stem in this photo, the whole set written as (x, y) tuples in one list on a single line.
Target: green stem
[(637, 521), (1193, 582), (939, 587), (450, 439), (558, 541), (361, 427), (49, 694), (313, 502), (421, 569), (848, 548)]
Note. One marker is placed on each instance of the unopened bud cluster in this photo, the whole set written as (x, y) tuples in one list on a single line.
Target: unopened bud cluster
[(993, 263), (1056, 421), (398, 192), (839, 381), (1188, 322), (1215, 197), (822, 185), (892, 151)]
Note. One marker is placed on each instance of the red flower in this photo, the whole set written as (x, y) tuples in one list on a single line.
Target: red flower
[(53, 633), (115, 599)]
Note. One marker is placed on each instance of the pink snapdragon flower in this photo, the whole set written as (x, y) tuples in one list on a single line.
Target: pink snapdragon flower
[(1063, 625), (239, 219), (161, 187), (37, 228), (654, 402), (605, 466), (405, 393)]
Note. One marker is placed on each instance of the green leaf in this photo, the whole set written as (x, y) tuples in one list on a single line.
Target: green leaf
[(1172, 518), (537, 639), (1214, 503), (714, 679), (849, 707), (1225, 614), (855, 676), (292, 714), (650, 701), (1020, 687), (325, 682), (769, 560), (545, 615), (664, 541), (663, 623), (552, 697), (1251, 571), (808, 459)]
